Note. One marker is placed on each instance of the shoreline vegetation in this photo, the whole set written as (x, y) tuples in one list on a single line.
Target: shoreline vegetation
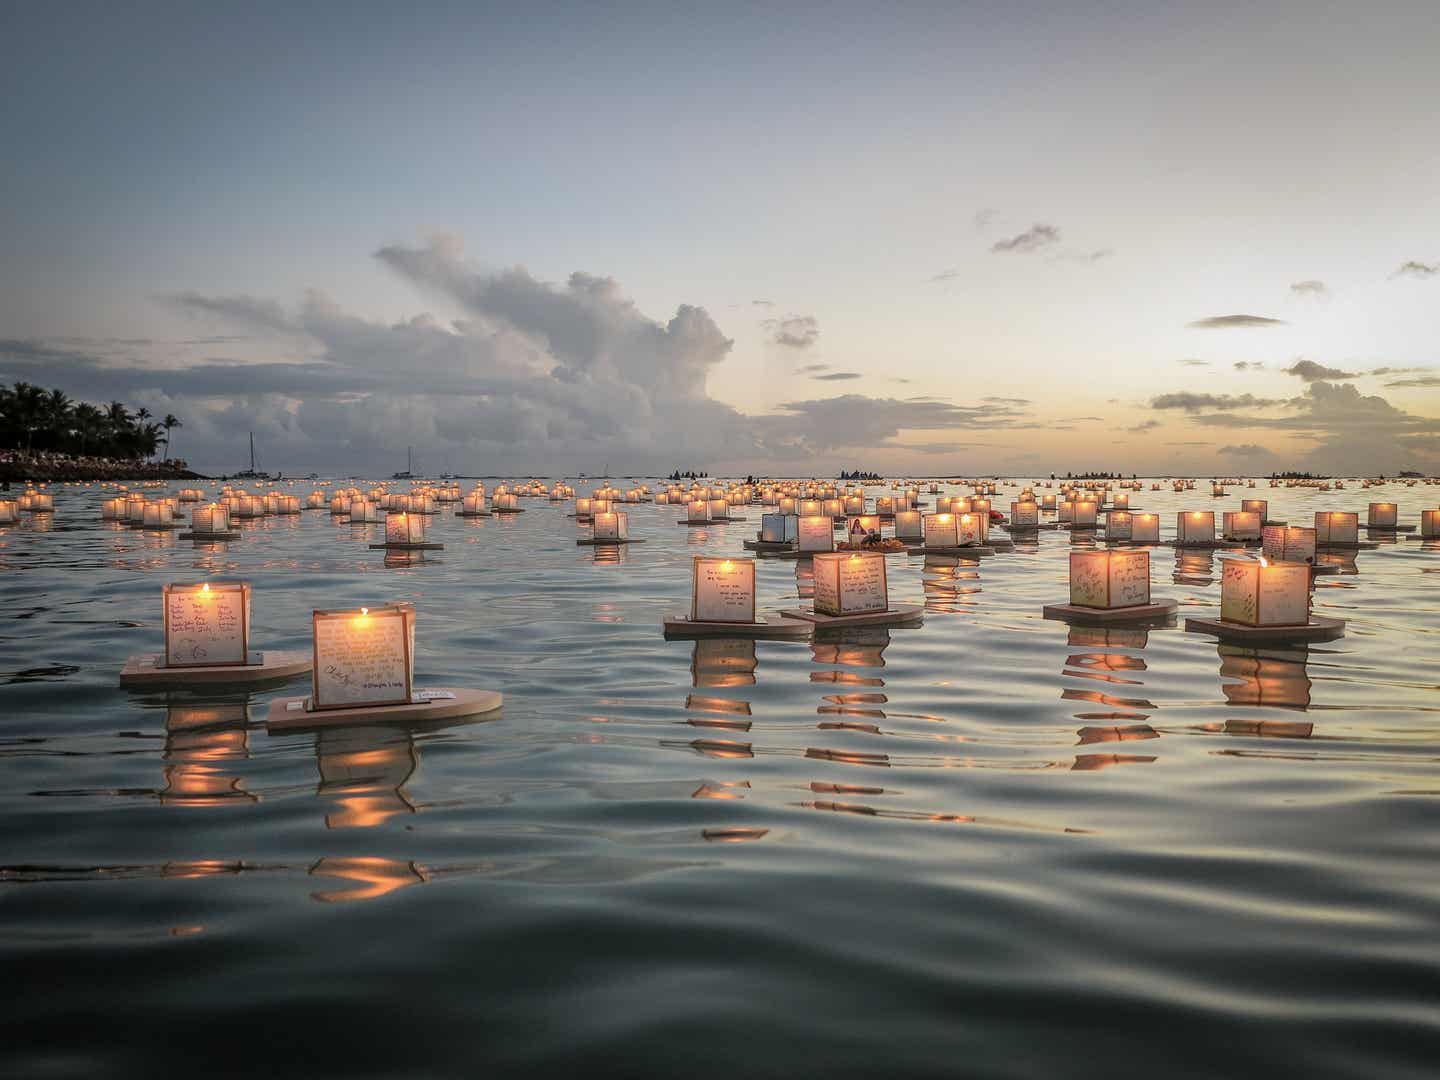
[(44, 436)]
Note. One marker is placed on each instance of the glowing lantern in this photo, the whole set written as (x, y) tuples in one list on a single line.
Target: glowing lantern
[(1195, 527), (1217, 489), (1256, 506), (1047, 502), (816, 533), (1429, 524), (833, 508), (210, 520), (611, 525), (1084, 513), (850, 583), (1382, 515), (273, 502), (854, 505), (9, 511), (190, 495), (908, 525), (474, 504), (1336, 527), (206, 625), (1261, 593), (504, 503), (157, 516), (1109, 579), (404, 528), (779, 528), (315, 500), (977, 506), (1121, 501), (1119, 525), (1024, 514), (1241, 525), (363, 657), (363, 512), (1067, 510), (135, 511), (787, 505), (722, 590), (339, 505), (1145, 528), (112, 509), (698, 512), (810, 507), (1284, 543), (719, 509)]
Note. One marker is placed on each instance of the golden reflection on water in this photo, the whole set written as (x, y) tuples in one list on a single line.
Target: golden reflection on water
[(363, 772), (1194, 567), (1273, 677), (203, 746), (375, 877)]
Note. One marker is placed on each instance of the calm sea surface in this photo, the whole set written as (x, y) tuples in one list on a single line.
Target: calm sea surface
[(990, 845)]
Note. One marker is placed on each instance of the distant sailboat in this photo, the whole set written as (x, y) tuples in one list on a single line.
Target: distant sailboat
[(408, 474), (252, 473)]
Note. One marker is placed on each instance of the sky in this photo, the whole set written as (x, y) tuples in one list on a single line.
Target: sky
[(926, 239)]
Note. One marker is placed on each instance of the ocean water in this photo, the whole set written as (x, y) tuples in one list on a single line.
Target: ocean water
[(990, 845)]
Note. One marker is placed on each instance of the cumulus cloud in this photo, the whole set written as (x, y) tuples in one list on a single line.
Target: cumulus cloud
[(1194, 402), (1018, 402), (1310, 371), (1311, 288), (1417, 269), (1249, 365), (837, 376), (1428, 380), (1035, 238), (1230, 322), (1245, 450), (1146, 425), (794, 331)]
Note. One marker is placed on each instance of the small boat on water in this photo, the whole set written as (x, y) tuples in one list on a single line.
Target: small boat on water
[(408, 474)]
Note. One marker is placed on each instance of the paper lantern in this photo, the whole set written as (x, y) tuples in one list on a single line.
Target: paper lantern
[(1287, 543), (722, 590), (209, 520), (885, 506), (854, 505), (315, 500), (1382, 515), (1024, 513), (816, 533), (584, 508), (363, 512), (1241, 525), (833, 508), (719, 509), (9, 511), (1084, 513), (1430, 524), (339, 505), (1109, 579), (908, 525), (1145, 528), (779, 528), (1195, 526), (1121, 501), (787, 505), (40, 502), (135, 510), (1066, 511), (206, 625), (850, 583), (943, 505), (474, 503), (505, 501), (363, 657), (971, 529), (1119, 525), (1336, 527), (272, 503), (979, 506), (112, 510), (1256, 506), (1262, 593), (190, 495), (611, 525), (698, 512), (1217, 489), (404, 528), (289, 504), (810, 507)]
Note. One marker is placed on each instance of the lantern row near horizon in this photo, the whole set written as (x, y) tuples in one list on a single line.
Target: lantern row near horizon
[(1109, 579), (850, 583), (206, 625), (1256, 592), (363, 657)]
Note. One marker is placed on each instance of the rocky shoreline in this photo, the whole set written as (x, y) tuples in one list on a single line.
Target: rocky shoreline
[(59, 472)]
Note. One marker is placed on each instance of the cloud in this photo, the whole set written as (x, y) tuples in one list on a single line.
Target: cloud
[(1195, 402), (1146, 425), (1083, 256), (837, 376), (804, 428), (1429, 380), (1228, 322), (1018, 402), (1246, 450), (1310, 371), (983, 219), (947, 275), (1192, 362), (808, 369), (763, 303), (1417, 269), (794, 331), (1310, 288), (1248, 365), (1032, 239)]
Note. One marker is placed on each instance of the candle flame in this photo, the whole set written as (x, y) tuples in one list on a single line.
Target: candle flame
[(205, 587), (364, 611)]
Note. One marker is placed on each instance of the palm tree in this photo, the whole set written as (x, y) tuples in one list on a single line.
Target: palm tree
[(89, 422), (56, 408), (169, 423), (29, 409)]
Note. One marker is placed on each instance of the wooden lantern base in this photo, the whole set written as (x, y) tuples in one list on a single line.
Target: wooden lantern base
[(147, 669), (907, 613), (770, 545), (971, 549), (1134, 543), (1043, 526), (291, 714), (1421, 536), (607, 543), (511, 510), (1156, 611), (1352, 545), (1319, 628), (1070, 525), (473, 513), (1199, 545), (679, 626), (426, 546), (1280, 524), (205, 537), (161, 528), (1390, 528), (1244, 541)]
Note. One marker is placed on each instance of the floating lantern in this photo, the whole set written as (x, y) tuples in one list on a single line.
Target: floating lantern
[(1195, 527), (1047, 502), (273, 502), (854, 505), (363, 657), (135, 511), (816, 533), (1145, 528), (1119, 525), (1262, 593), (113, 509), (584, 509), (810, 507), (473, 505), (1336, 527), (698, 512), (1082, 515), (779, 528), (834, 508), (611, 525), (404, 528), (339, 506), (1024, 515), (1217, 490), (190, 495), (719, 509), (1241, 525), (207, 625), (885, 506), (944, 504), (722, 590), (209, 520), (1287, 543), (908, 525), (941, 531), (978, 506), (1256, 506), (1067, 511), (850, 583), (315, 500), (505, 503), (971, 529), (787, 505), (157, 516), (1121, 501), (9, 511), (1109, 579), (1382, 515), (363, 512)]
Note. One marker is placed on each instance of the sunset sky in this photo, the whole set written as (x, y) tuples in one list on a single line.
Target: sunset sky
[(949, 238)]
